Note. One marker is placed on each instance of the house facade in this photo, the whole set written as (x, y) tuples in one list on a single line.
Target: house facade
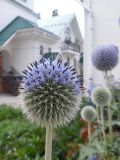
[(102, 26), (23, 40), (70, 45), (20, 41)]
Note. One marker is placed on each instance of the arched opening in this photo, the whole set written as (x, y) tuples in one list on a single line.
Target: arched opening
[(6, 62), (8, 81), (4, 69), (0, 64)]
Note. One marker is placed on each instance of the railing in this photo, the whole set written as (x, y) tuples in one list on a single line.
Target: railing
[(10, 81), (11, 84), (68, 45)]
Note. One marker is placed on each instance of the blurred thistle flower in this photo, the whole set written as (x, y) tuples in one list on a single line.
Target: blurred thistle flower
[(88, 113), (51, 93), (105, 57), (94, 157), (101, 96)]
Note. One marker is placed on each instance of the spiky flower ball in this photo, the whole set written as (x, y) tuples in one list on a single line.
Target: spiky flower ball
[(51, 93), (88, 113), (101, 96), (105, 57)]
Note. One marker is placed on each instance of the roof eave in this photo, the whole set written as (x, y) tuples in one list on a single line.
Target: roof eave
[(48, 34), (71, 52), (78, 28), (8, 40), (37, 32)]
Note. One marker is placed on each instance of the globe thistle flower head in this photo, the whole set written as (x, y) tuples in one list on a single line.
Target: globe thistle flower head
[(88, 113), (105, 57), (51, 93), (94, 157), (101, 96)]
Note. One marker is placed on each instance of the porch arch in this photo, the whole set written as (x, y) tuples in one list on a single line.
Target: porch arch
[(5, 62)]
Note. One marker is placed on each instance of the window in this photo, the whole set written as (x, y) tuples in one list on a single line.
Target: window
[(68, 61), (68, 34), (41, 50), (75, 63), (49, 50)]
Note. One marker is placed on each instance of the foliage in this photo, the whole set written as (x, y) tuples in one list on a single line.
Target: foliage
[(18, 138), (21, 140), (105, 142), (97, 148)]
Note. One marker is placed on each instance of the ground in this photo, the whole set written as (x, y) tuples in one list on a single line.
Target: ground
[(8, 99)]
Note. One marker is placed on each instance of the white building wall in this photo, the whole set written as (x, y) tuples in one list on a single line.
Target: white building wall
[(24, 51), (88, 46), (106, 29), (22, 54), (9, 11)]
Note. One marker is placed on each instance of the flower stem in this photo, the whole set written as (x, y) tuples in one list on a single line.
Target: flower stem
[(103, 130), (102, 125), (98, 117), (110, 124), (48, 145), (89, 133), (107, 80)]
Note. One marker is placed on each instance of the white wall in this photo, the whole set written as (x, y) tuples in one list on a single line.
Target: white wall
[(88, 46), (106, 29), (66, 54), (8, 11), (26, 50)]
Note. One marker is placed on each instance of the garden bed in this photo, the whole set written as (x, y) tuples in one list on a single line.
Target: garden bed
[(21, 140)]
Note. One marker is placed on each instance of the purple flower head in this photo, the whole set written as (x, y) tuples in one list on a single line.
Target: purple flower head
[(40, 73), (94, 157), (51, 93), (105, 57)]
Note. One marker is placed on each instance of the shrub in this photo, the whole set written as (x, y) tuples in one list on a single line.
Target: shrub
[(21, 140)]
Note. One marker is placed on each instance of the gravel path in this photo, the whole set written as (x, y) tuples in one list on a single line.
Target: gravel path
[(8, 99)]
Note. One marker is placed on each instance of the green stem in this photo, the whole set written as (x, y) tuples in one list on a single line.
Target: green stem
[(110, 124), (107, 79), (98, 116), (89, 133), (102, 125), (103, 129), (48, 146), (98, 119)]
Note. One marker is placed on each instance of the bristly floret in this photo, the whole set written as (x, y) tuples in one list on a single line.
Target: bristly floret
[(51, 93), (40, 73), (88, 113), (101, 96)]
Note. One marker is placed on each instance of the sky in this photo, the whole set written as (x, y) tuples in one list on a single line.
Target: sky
[(45, 8)]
